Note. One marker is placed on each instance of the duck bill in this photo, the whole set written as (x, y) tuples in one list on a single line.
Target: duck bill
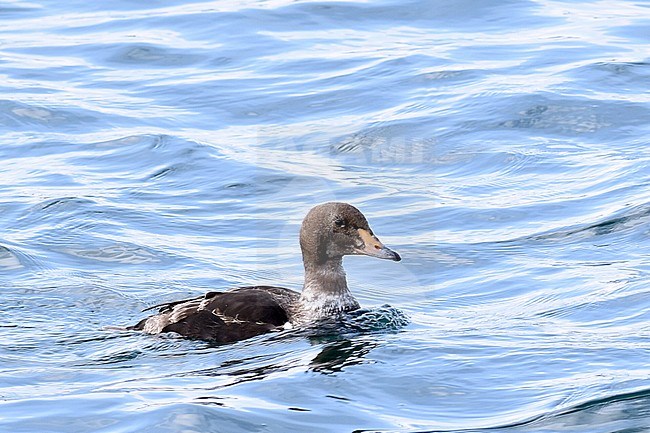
[(374, 248)]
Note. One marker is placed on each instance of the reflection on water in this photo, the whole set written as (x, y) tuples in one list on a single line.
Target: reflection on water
[(336, 356)]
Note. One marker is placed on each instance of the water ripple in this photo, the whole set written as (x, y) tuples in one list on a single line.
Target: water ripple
[(154, 152)]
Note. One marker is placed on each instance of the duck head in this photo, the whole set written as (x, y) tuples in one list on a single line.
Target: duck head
[(333, 230)]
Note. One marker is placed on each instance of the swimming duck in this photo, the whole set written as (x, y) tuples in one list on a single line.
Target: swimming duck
[(328, 232)]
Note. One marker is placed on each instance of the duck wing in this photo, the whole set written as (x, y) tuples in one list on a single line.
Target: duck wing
[(224, 317)]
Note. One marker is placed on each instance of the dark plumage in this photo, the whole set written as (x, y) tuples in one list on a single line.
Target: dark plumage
[(328, 232)]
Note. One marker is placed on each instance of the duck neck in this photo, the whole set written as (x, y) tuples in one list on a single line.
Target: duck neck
[(325, 293)]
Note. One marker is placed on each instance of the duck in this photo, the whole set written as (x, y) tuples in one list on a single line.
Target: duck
[(328, 232)]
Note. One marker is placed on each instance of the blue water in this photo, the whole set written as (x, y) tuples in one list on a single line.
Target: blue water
[(157, 150)]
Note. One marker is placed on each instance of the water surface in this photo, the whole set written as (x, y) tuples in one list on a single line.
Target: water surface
[(155, 151)]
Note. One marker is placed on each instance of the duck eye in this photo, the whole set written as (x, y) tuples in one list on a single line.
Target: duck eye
[(340, 222)]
